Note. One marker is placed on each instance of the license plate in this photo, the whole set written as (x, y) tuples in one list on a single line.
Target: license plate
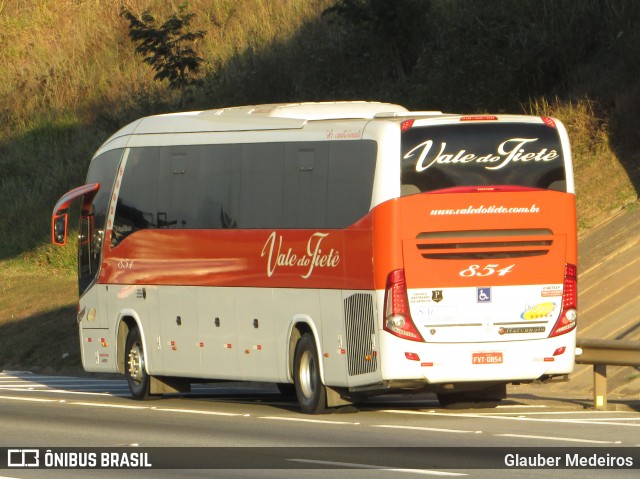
[(486, 358)]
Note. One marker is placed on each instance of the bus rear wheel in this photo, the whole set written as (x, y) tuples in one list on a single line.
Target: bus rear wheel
[(137, 377), (311, 393)]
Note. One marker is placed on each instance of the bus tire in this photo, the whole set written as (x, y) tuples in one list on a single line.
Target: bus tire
[(311, 393), (137, 377)]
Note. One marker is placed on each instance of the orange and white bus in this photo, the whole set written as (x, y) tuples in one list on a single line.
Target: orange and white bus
[(342, 249)]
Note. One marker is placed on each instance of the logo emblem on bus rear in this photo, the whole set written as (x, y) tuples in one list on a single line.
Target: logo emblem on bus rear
[(436, 295)]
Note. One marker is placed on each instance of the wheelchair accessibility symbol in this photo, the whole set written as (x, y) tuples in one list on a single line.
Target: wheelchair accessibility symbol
[(483, 295)]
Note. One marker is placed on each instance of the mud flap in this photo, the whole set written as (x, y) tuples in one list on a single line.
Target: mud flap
[(335, 399), (163, 385)]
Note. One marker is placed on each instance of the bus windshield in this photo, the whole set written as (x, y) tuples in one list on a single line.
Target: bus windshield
[(478, 154)]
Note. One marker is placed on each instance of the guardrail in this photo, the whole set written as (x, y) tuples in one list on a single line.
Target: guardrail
[(603, 352)]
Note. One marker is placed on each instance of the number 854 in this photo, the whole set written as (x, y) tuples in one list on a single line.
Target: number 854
[(486, 270)]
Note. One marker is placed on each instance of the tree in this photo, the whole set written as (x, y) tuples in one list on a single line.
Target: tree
[(167, 47)]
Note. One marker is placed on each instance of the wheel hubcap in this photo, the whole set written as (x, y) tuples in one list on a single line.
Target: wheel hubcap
[(307, 374), (136, 363)]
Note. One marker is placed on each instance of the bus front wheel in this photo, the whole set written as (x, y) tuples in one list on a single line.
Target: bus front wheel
[(311, 393), (137, 377)]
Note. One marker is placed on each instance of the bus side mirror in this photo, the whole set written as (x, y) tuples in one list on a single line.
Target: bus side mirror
[(60, 230), (61, 210)]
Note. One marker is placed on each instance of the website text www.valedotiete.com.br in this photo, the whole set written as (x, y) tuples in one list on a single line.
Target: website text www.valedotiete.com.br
[(485, 210)]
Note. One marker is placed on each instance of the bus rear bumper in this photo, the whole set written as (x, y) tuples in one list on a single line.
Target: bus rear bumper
[(512, 361)]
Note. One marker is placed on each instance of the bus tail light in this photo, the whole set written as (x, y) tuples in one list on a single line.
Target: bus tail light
[(549, 121), (397, 317), (569, 313), (479, 118), (411, 356), (406, 125)]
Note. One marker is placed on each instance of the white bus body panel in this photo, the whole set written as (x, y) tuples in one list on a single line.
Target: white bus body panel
[(230, 333)]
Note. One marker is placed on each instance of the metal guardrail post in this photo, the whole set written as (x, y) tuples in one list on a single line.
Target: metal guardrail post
[(603, 352), (600, 386)]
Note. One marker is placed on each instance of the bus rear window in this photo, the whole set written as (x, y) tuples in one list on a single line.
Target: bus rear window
[(474, 154)]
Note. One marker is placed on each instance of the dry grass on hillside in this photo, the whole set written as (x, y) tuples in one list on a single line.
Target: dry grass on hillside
[(74, 55), (602, 184)]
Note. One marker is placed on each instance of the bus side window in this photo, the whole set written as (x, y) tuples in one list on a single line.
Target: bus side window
[(91, 230), (352, 166), (218, 186), (137, 206)]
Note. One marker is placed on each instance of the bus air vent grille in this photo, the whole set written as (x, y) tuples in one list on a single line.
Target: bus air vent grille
[(360, 333), (484, 244)]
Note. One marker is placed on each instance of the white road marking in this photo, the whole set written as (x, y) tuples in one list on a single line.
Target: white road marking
[(545, 413), (601, 421), (297, 419), (590, 419), (13, 398), (524, 406), (100, 404), (44, 382), (433, 429), (61, 384), (561, 439), (64, 391), (124, 406), (352, 465), (196, 411)]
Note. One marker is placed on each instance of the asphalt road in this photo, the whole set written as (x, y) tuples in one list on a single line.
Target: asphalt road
[(266, 436)]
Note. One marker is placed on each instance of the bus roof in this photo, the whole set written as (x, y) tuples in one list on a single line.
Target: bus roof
[(277, 116), (287, 116), (314, 111)]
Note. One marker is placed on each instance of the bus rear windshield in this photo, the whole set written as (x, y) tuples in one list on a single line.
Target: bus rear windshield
[(517, 154)]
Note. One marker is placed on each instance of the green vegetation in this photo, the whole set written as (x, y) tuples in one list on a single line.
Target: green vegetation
[(167, 47), (71, 77)]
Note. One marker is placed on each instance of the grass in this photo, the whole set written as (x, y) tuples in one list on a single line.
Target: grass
[(37, 319), (594, 160), (70, 78)]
